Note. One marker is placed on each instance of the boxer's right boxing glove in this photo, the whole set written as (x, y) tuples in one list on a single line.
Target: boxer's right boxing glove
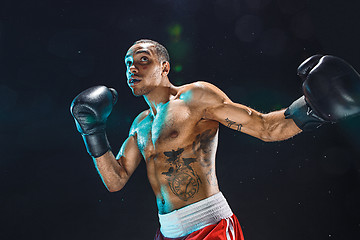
[(331, 92), (90, 110)]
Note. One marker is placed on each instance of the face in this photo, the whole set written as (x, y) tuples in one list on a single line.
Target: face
[(143, 69)]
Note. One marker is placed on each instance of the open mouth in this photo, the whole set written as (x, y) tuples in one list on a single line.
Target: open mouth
[(134, 81)]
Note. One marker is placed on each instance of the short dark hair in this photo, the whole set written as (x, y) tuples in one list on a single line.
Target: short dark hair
[(160, 50)]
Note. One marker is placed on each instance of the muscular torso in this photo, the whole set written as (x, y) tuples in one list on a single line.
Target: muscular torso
[(179, 148)]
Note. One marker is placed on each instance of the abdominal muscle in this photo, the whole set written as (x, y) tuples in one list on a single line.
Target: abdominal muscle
[(179, 177)]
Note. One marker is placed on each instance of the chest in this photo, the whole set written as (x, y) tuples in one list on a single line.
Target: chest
[(172, 122)]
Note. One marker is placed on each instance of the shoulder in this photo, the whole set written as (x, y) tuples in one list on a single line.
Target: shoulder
[(138, 120), (197, 86), (201, 92)]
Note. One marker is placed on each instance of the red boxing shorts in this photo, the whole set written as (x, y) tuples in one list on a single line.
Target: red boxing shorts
[(208, 219), (226, 229)]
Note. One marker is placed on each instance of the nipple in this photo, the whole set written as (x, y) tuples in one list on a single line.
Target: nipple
[(174, 134)]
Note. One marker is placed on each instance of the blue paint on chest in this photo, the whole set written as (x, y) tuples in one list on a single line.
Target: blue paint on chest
[(151, 127), (159, 121)]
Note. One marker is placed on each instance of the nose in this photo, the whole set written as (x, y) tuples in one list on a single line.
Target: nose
[(133, 69)]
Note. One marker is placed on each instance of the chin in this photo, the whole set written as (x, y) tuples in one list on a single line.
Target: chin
[(139, 92), (137, 95)]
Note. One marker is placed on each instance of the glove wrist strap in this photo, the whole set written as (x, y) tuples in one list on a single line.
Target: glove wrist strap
[(96, 144), (302, 114)]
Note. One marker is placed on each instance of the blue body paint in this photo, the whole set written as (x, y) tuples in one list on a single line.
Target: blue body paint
[(186, 96)]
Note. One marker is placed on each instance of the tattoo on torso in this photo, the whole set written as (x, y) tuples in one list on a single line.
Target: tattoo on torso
[(183, 180), (202, 144)]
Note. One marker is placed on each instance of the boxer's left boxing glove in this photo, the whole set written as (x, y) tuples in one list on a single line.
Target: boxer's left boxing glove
[(331, 92), (90, 110)]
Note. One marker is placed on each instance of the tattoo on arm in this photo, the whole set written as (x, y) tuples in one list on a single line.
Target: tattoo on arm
[(230, 123)]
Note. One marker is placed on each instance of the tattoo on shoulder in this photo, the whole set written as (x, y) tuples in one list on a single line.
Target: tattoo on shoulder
[(232, 123)]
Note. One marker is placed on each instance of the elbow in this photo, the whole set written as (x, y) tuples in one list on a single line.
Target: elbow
[(113, 188)]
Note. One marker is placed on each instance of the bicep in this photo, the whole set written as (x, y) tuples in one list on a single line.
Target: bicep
[(217, 106), (238, 117), (129, 156)]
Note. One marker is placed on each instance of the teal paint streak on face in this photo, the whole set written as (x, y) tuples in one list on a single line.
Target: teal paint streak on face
[(186, 96)]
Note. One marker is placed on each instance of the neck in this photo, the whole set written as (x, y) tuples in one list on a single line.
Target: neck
[(159, 96)]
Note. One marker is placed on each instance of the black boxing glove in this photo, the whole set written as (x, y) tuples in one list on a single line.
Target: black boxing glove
[(90, 110), (331, 92)]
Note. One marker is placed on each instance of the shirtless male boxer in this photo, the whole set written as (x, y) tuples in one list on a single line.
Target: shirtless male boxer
[(178, 135)]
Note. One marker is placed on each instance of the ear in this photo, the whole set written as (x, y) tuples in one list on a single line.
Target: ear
[(165, 68)]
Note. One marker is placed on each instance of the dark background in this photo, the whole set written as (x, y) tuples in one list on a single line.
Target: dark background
[(303, 188)]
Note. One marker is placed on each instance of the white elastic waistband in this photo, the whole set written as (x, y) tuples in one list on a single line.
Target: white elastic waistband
[(191, 218)]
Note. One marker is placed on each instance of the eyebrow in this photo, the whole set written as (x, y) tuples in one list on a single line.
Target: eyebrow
[(138, 52)]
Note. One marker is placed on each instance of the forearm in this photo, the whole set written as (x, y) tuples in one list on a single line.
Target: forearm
[(111, 172), (277, 128)]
